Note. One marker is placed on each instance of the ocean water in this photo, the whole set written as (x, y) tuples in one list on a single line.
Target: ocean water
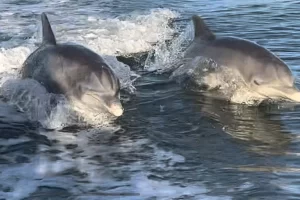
[(170, 143)]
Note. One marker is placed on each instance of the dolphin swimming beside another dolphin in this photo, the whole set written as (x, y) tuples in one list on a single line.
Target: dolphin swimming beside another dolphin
[(75, 71), (263, 73)]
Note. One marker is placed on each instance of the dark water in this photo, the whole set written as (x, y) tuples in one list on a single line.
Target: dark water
[(171, 143)]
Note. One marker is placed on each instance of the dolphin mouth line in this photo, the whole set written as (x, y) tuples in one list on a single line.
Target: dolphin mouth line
[(281, 93)]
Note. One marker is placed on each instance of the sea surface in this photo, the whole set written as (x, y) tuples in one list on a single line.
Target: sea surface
[(171, 143)]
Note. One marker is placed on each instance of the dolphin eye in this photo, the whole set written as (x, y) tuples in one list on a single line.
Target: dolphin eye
[(256, 82)]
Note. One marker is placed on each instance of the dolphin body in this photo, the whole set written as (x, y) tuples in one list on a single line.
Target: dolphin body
[(262, 71), (75, 71)]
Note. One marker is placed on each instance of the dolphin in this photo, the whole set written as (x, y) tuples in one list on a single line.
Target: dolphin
[(75, 71), (262, 71)]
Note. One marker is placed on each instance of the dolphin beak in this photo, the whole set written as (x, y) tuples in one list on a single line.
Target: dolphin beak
[(115, 107), (290, 93), (99, 102)]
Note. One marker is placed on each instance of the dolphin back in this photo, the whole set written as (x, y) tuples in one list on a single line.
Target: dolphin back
[(48, 35)]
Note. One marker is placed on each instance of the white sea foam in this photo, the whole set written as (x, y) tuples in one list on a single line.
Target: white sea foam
[(117, 36), (132, 35)]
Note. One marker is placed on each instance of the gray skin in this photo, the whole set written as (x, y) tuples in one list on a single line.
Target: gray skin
[(262, 71), (75, 71)]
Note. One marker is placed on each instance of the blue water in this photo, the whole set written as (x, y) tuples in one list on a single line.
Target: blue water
[(170, 143)]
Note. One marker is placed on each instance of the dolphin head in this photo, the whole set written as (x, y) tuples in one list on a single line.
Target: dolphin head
[(100, 91), (79, 73), (263, 72), (275, 82)]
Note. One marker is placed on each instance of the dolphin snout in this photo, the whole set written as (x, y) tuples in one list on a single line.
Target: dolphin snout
[(115, 108), (293, 94), (101, 103), (285, 92), (113, 105)]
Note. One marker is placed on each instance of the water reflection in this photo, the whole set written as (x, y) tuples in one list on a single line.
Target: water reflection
[(179, 117), (252, 125)]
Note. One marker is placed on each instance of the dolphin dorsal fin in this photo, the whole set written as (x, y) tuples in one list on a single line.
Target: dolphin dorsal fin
[(48, 36), (201, 30)]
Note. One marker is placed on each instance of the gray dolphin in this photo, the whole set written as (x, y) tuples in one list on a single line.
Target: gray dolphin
[(262, 71), (75, 71)]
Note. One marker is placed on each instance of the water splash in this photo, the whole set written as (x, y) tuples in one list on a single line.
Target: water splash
[(108, 37), (167, 55)]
